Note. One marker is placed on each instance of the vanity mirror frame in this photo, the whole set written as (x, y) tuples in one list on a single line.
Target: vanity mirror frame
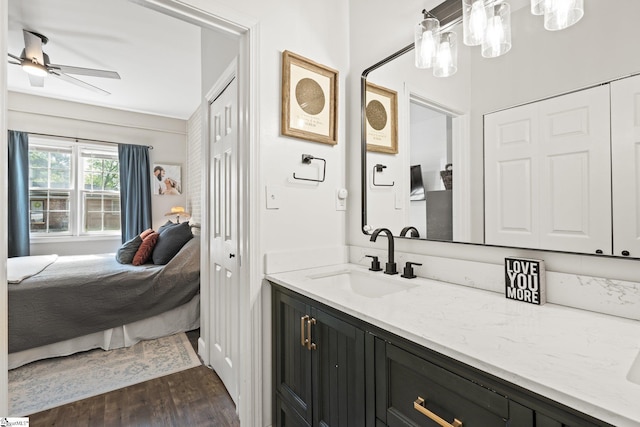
[(450, 14)]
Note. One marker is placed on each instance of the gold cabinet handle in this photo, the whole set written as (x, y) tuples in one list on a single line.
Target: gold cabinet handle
[(419, 406), (310, 345), (303, 339)]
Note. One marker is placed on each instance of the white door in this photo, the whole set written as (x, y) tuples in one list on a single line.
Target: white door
[(575, 191), (547, 174), (224, 304), (625, 153), (511, 177)]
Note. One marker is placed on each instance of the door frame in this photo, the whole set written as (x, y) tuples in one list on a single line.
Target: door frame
[(245, 28)]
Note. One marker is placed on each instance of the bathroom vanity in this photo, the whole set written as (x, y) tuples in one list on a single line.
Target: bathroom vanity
[(353, 347)]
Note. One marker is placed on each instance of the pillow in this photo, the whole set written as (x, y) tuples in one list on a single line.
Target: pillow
[(172, 239), (145, 233), (128, 250), (143, 254), (167, 225)]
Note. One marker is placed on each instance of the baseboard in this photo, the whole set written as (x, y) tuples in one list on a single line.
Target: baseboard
[(202, 352)]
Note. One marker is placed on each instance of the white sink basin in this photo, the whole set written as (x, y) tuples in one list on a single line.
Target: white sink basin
[(634, 372), (370, 285)]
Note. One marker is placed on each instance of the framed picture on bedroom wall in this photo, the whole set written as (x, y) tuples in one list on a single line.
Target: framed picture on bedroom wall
[(166, 180)]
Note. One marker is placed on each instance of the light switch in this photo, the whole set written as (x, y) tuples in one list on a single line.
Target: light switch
[(341, 199), (274, 196)]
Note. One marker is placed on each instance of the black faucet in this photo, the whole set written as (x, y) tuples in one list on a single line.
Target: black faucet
[(390, 266), (414, 232)]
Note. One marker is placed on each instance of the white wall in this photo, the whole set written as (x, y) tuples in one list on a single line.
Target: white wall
[(4, 348), (393, 23), (50, 116)]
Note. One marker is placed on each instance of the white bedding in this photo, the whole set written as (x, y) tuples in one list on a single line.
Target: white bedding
[(20, 268)]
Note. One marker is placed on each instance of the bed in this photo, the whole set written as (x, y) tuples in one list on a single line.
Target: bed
[(77, 303)]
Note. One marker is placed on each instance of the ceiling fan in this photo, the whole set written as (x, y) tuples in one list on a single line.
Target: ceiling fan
[(36, 64)]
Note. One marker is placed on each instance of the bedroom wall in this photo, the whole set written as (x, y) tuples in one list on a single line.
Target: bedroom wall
[(194, 167), (50, 116)]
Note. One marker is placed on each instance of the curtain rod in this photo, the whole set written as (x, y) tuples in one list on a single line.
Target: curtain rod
[(150, 147)]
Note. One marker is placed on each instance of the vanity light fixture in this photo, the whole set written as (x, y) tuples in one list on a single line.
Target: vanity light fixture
[(426, 38), (561, 14), (497, 36), (446, 63)]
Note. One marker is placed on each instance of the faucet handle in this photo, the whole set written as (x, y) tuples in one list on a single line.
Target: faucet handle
[(375, 264), (408, 273)]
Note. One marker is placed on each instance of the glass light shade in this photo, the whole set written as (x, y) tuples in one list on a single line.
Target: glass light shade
[(34, 69), (426, 42), (497, 39), (446, 63), (561, 14), (474, 21), (538, 7)]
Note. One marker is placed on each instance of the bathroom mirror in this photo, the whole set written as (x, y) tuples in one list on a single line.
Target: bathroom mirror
[(435, 182)]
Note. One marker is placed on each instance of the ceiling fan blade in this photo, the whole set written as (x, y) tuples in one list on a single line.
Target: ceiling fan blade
[(67, 69), (17, 58), (15, 63), (36, 81), (77, 82), (33, 46)]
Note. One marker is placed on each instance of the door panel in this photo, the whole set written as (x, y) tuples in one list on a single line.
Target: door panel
[(225, 303), (625, 151)]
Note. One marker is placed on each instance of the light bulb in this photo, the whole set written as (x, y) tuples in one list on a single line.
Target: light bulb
[(446, 63), (497, 40), (426, 42), (477, 20)]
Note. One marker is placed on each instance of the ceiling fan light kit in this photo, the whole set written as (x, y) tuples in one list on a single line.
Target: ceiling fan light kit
[(36, 64)]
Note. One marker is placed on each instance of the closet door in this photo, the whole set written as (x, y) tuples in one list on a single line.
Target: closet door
[(575, 185), (625, 152), (548, 174), (511, 177)]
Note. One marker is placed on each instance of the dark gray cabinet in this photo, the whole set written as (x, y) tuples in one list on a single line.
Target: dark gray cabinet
[(319, 373), (331, 369)]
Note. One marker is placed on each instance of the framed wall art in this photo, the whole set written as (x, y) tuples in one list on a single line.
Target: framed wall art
[(166, 180), (309, 99), (382, 119)]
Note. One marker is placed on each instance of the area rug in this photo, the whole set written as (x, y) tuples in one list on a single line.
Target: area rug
[(53, 382)]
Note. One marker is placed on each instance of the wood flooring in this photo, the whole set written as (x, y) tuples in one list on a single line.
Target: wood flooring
[(195, 397)]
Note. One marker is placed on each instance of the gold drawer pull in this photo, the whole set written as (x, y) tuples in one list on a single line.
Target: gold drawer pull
[(418, 405), (303, 339), (310, 345)]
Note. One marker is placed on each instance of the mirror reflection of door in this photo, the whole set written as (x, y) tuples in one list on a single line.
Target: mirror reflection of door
[(434, 202)]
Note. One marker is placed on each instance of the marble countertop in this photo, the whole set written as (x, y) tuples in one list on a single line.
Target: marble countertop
[(578, 358)]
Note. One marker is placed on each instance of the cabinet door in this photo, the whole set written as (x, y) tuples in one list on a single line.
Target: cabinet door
[(292, 360), (287, 417), (338, 372), (625, 153)]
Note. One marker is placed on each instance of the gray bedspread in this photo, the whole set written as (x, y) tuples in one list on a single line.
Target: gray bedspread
[(79, 295)]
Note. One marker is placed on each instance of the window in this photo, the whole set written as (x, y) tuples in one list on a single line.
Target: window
[(74, 188)]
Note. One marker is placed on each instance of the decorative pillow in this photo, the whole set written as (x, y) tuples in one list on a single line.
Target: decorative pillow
[(143, 254), (171, 240), (128, 250), (145, 233), (167, 225)]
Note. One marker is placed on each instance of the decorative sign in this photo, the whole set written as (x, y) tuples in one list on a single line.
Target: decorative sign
[(525, 280)]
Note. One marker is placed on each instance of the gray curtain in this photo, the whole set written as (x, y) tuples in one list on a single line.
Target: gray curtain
[(18, 200), (135, 190)]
